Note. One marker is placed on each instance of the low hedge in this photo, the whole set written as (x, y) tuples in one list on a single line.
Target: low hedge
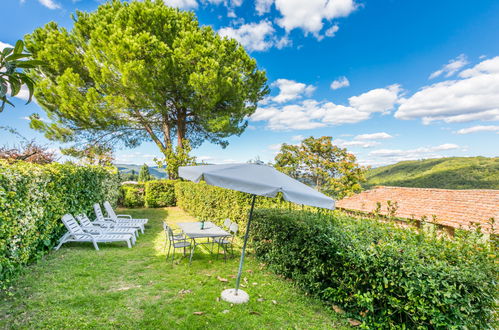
[(132, 195), (32, 200), (160, 193), (385, 276)]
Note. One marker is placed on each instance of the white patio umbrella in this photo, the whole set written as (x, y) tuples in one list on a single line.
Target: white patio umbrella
[(255, 179)]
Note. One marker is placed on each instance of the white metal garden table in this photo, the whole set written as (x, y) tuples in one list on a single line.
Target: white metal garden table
[(209, 231)]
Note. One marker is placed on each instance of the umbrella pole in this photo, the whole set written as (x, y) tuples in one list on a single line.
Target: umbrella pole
[(241, 262)]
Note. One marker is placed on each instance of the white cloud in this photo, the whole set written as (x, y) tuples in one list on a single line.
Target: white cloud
[(473, 97), (450, 68), (5, 45), (340, 82), (331, 32), (384, 156), (50, 4), (364, 144), (297, 138), (254, 36), (275, 147), (263, 6), (290, 90), (479, 128), (182, 4), (309, 15), (310, 114), (376, 100), (374, 136)]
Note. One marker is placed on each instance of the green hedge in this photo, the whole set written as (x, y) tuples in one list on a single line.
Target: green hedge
[(216, 204), (32, 200), (160, 193), (132, 195), (385, 276)]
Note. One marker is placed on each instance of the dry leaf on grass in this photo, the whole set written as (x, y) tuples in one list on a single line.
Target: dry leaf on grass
[(274, 302), (225, 311), (254, 283), (250, 271), (184, 291), (198, 313), (338, 309), (221, 279), (354, 322), (260, 299), (255, 313)]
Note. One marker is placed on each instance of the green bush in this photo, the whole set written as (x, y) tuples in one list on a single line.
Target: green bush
[(217, 204), (132, 195), (387, 277), (160, 193), (32, 200)]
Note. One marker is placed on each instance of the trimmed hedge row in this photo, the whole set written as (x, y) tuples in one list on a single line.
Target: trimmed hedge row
[(380, 274), (32, 200), (216, 204), (154, 193)]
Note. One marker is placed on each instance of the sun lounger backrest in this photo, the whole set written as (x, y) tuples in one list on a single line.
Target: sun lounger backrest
[(98, 212), (109, 210), (71, 225), (84, 220)]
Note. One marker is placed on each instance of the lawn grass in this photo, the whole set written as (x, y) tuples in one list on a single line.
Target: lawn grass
[(117, 287)]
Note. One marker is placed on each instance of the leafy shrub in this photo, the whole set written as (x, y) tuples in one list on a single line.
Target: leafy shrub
[(216, 204), (380, 274), (132, 195), (32, 200), (160, 193)]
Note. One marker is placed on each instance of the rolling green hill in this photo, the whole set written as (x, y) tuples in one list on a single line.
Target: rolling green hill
[(445, 173), (154, 170)]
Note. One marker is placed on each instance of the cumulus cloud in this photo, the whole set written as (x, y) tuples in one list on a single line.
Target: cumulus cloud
[(50, 4), (479, 128), (310, 114), (182, 4), (263, 6), (297, 138), (309, 15), (5, 45), (376, 100), (290, 90), (255, 36), (364, 144), (340, 82), (374, 136), (331, 32), (450, 68), (397, 155), (475, 96)]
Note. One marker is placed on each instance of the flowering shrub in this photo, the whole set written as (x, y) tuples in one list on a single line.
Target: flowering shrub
[(387, 277), (32, 200)]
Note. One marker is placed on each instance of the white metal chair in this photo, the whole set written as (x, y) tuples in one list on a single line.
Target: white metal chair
[(91, 228), (227, 223), (110, 213), (226, 242), (77, 234), (175, 237), (115, 221), (175, 243)]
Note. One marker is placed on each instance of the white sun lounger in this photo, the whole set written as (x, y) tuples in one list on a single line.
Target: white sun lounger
[(127, 217), (116, 221), (76, 234), (91, 228)]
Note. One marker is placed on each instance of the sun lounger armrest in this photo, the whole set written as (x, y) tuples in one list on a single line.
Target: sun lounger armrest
[(92, 230), (83, 235), (124, 216)]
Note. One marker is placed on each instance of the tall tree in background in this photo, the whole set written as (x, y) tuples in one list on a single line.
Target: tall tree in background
[(144, 174), (332, 170), (139, 71)]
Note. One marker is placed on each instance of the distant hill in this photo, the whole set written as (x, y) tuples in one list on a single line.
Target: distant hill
[(445, 173), (154, 170)]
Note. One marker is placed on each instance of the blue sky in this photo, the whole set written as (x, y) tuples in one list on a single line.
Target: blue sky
[(390, 80)]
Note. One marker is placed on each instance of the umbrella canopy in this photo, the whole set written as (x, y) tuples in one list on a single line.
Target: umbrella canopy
[(257, 179)]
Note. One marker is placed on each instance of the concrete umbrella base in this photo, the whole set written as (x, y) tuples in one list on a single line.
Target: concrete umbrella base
[(229, 295)]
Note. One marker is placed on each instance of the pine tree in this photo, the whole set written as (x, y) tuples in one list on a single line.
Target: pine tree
[(144, 174)]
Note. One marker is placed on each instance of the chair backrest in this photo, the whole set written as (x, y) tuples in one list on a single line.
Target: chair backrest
[(84, 220), (234, 227), (227, 223), (165, 228), (98, 212), (71, 225), (109, 210)]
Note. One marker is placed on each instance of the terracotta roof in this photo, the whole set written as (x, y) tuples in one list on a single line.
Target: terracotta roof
[(453, 208)]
